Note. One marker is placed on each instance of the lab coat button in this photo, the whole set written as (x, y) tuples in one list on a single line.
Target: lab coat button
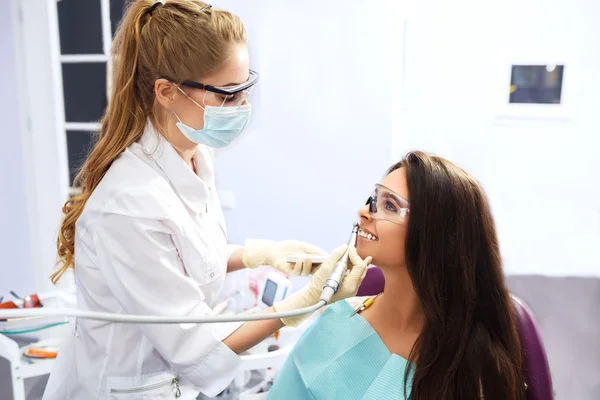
[(212, 274)]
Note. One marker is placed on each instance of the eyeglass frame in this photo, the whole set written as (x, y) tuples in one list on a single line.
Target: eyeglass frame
[(372, 203), (214, 89)]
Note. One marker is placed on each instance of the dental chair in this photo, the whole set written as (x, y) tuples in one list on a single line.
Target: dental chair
[(535, 361), (373, 283)]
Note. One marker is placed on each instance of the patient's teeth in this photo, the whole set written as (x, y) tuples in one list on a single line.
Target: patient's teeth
[(367, 235)]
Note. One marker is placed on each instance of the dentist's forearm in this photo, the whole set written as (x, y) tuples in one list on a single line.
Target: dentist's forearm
[(252, 333), (235, 261)]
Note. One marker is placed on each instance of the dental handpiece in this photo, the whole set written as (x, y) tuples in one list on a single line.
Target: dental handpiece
[(333, 282)]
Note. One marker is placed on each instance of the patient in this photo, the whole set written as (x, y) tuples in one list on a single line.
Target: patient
[(443, 328)]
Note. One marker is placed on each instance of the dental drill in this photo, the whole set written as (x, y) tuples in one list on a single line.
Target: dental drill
[(333, 283), (331, 287)]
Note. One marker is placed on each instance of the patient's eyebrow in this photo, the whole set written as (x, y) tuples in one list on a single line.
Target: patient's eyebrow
[(399, 199)]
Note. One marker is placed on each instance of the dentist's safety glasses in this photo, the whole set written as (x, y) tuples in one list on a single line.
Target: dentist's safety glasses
[(384, 204), (223, 96)]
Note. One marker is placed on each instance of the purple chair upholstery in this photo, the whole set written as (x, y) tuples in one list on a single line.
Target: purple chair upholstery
[(535, 361), (373, 283)]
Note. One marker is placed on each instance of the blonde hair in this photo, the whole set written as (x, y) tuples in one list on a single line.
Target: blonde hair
[(184, 40)]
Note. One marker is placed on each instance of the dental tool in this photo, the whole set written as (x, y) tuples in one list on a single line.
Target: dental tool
[(329, 289), (315, 258), (333, 283)]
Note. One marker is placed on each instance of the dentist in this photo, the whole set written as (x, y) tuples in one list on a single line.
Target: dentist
[(147, 234)]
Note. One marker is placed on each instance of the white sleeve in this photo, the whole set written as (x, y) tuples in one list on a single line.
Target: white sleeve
[(223, 330), (142, 267)]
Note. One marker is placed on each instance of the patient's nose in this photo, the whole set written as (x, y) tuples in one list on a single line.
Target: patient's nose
[(363, 212)]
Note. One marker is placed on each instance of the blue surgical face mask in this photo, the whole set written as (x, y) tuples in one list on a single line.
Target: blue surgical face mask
[(222, 125)]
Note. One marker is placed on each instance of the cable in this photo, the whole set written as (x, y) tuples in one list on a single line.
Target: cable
[(152, 319), (41, 328)]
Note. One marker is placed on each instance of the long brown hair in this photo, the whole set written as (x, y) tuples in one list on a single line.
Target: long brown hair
[(181, 39), (469, 348)]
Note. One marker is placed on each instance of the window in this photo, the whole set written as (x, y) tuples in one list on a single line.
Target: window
[(116, 13), (86, 29), (84, 90), (78, 147), (80, 27)]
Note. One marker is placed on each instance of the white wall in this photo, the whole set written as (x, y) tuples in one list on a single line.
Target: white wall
[(40, 92), (16, 265), (320, 136), (541, 175)]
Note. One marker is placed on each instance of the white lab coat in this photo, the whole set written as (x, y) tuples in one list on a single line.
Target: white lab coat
[(151, 240)]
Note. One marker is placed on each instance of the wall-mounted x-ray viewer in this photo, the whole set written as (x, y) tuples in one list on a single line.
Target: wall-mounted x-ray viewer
[(536, 84), (534, 88)]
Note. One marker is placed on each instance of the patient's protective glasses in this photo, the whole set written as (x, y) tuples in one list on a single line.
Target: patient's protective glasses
[(226, 96), (384, 204)]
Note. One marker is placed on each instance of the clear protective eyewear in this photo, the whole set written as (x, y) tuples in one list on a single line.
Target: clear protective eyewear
[(384, 204), (223, 96)]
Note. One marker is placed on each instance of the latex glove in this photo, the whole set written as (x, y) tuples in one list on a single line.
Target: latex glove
[(311, 293), (267, 252)]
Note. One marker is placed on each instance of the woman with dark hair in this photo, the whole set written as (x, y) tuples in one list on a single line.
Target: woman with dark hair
[(443, 328)]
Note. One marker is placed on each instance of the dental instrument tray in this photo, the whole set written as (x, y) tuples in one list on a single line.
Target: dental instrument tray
[(22, 326), (27, 343)]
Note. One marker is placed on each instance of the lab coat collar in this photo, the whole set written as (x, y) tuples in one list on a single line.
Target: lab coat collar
[(193, 189)]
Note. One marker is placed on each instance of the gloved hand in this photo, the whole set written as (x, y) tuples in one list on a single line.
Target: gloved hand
[(267, 252), (311, 293)]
